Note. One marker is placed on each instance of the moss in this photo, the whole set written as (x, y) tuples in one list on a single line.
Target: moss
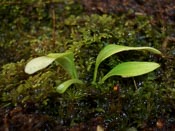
[(19, 88)]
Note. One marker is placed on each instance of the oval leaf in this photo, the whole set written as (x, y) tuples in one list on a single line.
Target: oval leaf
[(37, 64), (111, 49), (65, 85), (131, 69)]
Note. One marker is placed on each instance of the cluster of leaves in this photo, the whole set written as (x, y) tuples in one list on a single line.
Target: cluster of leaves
[(66, 60)]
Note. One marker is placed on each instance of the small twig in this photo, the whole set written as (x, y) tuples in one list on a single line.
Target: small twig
[(54, 24), (135, 85)]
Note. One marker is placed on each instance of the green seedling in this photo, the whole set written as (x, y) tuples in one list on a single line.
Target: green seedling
[(112, 49), (66, 60)]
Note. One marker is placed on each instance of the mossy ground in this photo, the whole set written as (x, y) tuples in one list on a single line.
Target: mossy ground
[(31, 29)]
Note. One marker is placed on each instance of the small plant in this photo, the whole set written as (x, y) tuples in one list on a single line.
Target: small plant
[(66, 60), (128, 69)]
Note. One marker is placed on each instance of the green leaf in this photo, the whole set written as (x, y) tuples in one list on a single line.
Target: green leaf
[(111, 49), (66, 60), (65, 85), (37, 64), (131, 69)]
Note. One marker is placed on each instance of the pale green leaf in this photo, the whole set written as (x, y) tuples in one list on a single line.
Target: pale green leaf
[(37, 64), (66, 60), (131, 69), (111, 49), (65, 85)]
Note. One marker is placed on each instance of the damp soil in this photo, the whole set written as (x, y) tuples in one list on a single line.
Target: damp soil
[(29, 118)]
